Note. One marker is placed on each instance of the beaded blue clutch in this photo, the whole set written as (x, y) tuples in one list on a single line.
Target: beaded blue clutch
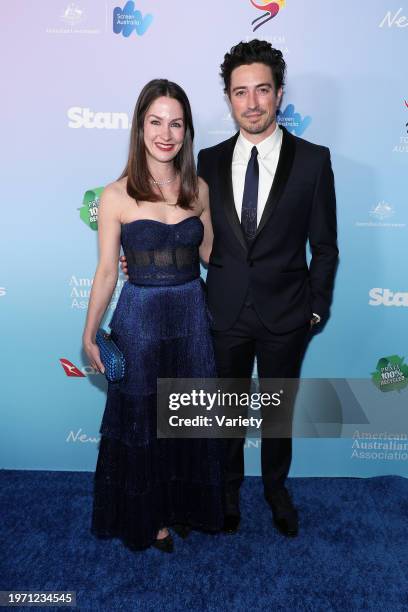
[(111, 357)]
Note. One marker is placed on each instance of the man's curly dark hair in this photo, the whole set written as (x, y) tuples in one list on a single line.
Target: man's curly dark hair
[(255, 51)]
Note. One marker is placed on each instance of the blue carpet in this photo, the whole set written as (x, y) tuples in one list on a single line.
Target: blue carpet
[(351, 553)]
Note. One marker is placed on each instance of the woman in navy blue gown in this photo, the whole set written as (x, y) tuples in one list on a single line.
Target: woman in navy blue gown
[(158, 211)]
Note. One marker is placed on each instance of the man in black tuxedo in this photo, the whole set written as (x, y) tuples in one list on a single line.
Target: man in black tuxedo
[(270, 193)]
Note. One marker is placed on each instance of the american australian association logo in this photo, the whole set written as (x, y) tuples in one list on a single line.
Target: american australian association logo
[(391, 374), (89, 209), (129, 19), (269, 11)]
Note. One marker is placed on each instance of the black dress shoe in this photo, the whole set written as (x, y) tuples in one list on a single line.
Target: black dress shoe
[(165, 544), (182, 531), (231, 523), (285, 515)]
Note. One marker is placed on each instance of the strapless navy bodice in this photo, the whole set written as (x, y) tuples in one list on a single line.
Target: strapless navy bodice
[(162, 254)]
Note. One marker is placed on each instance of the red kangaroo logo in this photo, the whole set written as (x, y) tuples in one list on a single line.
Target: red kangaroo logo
[(70, 369)]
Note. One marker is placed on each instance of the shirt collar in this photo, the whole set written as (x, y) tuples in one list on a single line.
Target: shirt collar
[(243, 146)]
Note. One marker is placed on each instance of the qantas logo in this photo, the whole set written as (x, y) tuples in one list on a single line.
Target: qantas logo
[(71, 370)]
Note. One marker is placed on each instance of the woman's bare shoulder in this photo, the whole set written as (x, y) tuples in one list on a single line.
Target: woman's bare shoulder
[(113, 199), (116, 189)]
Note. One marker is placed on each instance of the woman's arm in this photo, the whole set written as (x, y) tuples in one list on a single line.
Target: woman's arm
[(106, 274), (205, 216)]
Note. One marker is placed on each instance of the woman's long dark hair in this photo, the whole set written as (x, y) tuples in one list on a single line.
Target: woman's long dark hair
[(139, 184)]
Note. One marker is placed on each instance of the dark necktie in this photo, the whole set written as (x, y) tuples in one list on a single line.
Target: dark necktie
[(250, 197)]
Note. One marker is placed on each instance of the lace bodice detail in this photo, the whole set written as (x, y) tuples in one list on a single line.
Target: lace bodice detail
[(162, 254)]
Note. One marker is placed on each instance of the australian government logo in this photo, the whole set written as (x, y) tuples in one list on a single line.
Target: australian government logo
[(293, 121), (79, 18), (225, 126), (382, 214), (129, 19), (391, 374)]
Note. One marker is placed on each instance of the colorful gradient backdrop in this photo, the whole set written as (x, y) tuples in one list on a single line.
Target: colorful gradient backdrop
[(346, 88)]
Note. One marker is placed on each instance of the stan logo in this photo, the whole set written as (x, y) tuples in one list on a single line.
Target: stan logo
[(270, 10), (385, 297), (292, 121), (382, 211), (72, 371), (89, 210), (85, 118), (394, 20), (391, 374), (128, 19), (72, 14)]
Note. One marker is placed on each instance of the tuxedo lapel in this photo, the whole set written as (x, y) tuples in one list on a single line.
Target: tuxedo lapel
[(283, 169), (226, 190)]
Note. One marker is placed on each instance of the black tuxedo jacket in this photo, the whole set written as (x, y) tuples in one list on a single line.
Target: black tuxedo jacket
[(301, 206)]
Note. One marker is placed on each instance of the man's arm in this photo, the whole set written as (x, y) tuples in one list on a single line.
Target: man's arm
[(201, 166), (323, 240), (205, 216)]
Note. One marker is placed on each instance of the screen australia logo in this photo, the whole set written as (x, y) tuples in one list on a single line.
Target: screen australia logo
[(129, 20), (293, 121), (269, 11)]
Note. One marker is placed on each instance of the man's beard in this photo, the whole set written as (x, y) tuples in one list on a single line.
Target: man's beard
[(258, 128)]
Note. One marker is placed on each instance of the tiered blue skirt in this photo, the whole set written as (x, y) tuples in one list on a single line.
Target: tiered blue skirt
[(143, 483)]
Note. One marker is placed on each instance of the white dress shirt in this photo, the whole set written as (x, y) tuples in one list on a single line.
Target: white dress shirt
[(268, 156)]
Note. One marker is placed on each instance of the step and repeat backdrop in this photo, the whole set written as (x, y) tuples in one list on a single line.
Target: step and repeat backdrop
[(71, 74)]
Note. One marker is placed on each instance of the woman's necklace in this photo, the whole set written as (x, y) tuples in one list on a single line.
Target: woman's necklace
[(168, 203), (164, 182)]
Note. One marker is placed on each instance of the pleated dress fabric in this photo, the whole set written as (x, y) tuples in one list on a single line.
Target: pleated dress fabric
[(161, 324)]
